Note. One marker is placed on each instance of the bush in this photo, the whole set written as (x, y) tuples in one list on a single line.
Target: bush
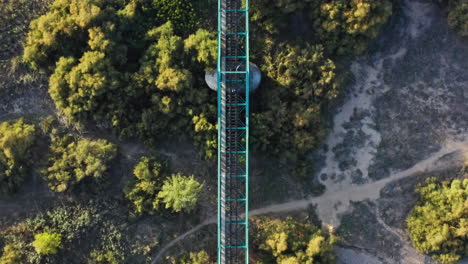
[(346, 27), (142, 191), (105, 257), (124, 65), (458, 16), (301, 80), (180, 193), (89, 232), (343, 27), (291, 241), (16, 140), (10, 255), (47, 243), (73, 161), (437, 224)]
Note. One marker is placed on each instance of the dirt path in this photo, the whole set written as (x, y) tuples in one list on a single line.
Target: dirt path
[(331, 204)]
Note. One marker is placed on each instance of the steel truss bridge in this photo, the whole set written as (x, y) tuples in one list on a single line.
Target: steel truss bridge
[(233, 131)]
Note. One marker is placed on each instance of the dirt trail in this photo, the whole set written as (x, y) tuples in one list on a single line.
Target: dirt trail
[(328, 210)]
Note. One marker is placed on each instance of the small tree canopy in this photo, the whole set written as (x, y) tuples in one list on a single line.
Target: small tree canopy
[(142, 191), (47, 243), (16, 140), (74, 160), (180, 193)]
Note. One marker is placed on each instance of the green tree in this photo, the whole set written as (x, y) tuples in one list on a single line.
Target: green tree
[(124, 65), (438, 224), (142, 191), (458, 16), (10, 255), (345, 27), (47, 243), (203, 46), (289, 121), (75, 160), (291, 241), (16, 140), (180, 193)]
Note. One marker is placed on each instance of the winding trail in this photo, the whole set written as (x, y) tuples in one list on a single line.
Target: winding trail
[(327, 208)]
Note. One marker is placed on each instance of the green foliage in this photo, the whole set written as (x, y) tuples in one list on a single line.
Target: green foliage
[(180, 193), (105, 257), (10, 255), (204, 47), (347, 26), (438, 224), (300, 81), (142, 191), (91, 232), (16, 140), (458, 16), (75, 160), (180, 12), (124, 65), (295, 42), (343, 27), (47, 243), (15, 16), (291, 241)]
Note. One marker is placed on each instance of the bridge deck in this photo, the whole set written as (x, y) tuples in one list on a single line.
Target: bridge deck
[(233, 125)]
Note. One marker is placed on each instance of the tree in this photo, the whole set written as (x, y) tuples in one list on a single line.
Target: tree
[(16, 140), (437, 224), (180, 193), (10, 255), (47, 243), (75, 160), (203, 47), (125, 66), (289, 123), (142, 191), (458, 16), (345, 27), (291, 241)]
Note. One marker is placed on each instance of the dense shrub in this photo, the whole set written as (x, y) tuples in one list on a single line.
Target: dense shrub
[(10, 255), (143, 190), (73, 161), (300, 81), (458, 16), (91, 233), (151, 187), (47, 243), (437, 224), (16, 140), (343, 27), (180, 193), (119, 64), (291, 241)]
